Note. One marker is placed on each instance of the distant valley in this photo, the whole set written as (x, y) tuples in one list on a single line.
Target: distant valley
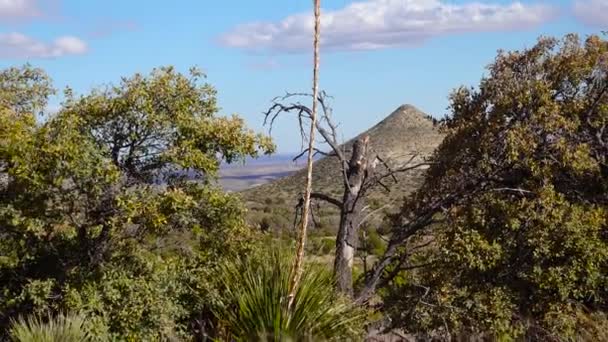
[(254, 172)]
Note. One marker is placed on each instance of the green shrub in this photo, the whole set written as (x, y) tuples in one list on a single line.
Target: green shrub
[(85, 226), (377, 246), (62, 328), (140, 302), (255, 300), (321, 245), (519, 187)]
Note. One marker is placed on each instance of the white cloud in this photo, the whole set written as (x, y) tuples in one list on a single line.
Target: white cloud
[(378, 24), (592, 12), (17, 45), (19, 9)]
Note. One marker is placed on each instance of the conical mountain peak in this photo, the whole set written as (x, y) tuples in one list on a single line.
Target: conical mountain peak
[(406, 131), (405, 116)]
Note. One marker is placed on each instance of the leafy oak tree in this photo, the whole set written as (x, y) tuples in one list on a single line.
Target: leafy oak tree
[(110, 208), (518, 193)]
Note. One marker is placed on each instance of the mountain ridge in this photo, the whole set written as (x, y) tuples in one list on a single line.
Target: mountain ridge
[(404, 133)]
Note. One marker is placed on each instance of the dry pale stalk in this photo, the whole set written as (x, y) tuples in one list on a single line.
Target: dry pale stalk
[(299, 260)]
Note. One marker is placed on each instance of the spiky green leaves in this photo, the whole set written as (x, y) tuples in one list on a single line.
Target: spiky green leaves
[(255, 303), (67, 328)]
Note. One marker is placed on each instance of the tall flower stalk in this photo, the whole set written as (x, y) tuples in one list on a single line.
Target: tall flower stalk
[(301, 242)]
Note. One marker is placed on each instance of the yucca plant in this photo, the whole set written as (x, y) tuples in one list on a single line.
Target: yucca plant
[(255, 298), (62, 328)]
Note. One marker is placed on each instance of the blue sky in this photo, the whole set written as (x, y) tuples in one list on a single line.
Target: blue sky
[(376, 54)]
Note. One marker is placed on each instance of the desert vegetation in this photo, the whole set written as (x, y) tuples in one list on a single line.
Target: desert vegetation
[(503, 235), (489, 224)]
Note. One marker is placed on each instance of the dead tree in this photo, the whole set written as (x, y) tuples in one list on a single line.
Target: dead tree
[(362, 170)]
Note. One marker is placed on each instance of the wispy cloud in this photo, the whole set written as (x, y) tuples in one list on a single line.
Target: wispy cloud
[(378, 24), (12, 11), (19, 9), (592, 12), (17, 45)]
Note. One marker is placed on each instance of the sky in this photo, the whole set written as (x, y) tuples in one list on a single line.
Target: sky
[(375, 54)]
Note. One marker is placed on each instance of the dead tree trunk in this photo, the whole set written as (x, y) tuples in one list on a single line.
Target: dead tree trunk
[(350, 215), (360, 175)]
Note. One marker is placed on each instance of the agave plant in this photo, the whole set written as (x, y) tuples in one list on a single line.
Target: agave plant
[(254, 304), (62, 328)]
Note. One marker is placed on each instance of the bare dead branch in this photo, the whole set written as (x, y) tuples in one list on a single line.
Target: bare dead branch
[(326, 198), (518, 190), (372, 213), (386, 188), (392, 173), (331, 141), (304, 112), (316, 152), (358, 169), (388, 167)]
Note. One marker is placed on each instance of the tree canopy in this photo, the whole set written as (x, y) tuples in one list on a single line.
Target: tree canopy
[(97, 200), (520, 187)]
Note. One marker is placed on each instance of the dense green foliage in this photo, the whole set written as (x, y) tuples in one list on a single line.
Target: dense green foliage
[(109, 209), (254, 303), (523, 178), (109, 206)]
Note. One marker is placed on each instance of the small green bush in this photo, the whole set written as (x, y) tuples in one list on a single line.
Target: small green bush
[(62, 328), (321, 245), (375, 242)]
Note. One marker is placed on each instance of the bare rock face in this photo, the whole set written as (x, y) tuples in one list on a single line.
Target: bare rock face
[(406, 131)]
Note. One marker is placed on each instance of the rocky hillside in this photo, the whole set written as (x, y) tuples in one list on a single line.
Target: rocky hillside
[(404, 132)]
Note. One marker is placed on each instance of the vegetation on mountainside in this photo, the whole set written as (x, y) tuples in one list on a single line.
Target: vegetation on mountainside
[(405, 132)]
